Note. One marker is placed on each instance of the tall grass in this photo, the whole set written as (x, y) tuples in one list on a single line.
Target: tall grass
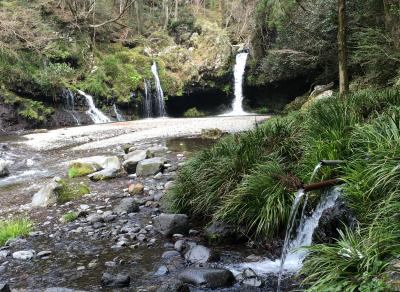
[(11, 229)]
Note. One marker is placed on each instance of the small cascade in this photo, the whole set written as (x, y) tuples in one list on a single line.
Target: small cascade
[(147, 102), (292, 255), (94, 113), (69, 101), (159, 101), (238, 70), (118, 114), (316, 169)]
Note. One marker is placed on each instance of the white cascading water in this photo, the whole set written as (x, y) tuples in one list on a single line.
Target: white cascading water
[(70, 104), (94, 113), (119, 116), (238, 70), (159, 102), (292, 254), (147, 102)]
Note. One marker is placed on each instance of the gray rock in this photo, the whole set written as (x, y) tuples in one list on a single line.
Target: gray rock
[(61, 289), (94, 218), (220, 232), (4, 287), (200, 254), (169, 185), (4, 171), (169, 224), (99, 162), (115, 281), (180, 245), (173, 285), (4, 254), (156, 151), (170, 254), (46, 196), (44, 253), (105, 174), (23, 255), (249, 278), (149, 166), (127, 205), (161, 271), (209, 278), (132, 159)]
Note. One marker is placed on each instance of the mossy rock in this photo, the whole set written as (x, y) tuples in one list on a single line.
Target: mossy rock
[(68, 191), (211, 133), (78, 169)]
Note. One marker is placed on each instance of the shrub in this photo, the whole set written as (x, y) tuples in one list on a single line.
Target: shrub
[(70, 216), (14, 228), (193, 113), (80, 169), (69, 191)]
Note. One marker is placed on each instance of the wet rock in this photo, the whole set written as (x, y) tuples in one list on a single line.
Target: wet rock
[(94, 218), (132, 159), (156, 151), (158, 176), (249, 278), (98, 162), (105, 174), (169, 185), (331, 221), (135, 189), (115, 281), (4, 287), (200, 254), (180, 245), (47, 195), (4, 254), (207, 277), (220, 232), (149, 166), (173, 286), (23, 255), (169, 224), (170, 254), (61, 289), (44, 253), (4, 171), (161, 271), (127, 205)]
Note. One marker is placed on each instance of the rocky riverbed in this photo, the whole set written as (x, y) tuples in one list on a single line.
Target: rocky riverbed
[(122, 237)]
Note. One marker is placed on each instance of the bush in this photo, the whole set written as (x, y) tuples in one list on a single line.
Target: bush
[(14, 228), (193, 113), (70, 191), (70, 216)]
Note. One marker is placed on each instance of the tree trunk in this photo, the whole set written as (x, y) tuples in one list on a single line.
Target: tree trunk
[(139, 13), (176, 10), (392, 20), (342, 51)]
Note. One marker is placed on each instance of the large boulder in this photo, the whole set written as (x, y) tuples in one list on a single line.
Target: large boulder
[(149, 166), (115, 281), (320, 92), (88, 165), (127, 205), (332, 220), (47, 195), (156, 151), (208, 278), (170, 224), (104, 174), (200, 254), (132, 159), (4, 171), (220, 232)]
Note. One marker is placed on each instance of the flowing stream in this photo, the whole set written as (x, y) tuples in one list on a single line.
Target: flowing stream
[(159, 101), (118, 114), (69, 98), (94, 113)]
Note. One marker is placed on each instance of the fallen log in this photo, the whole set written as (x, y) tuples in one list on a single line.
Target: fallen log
[(322, 184)]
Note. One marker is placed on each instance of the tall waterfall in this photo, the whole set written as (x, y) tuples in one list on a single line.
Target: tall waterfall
[(118, 114), (94, 113), (292, 255), (159, 101), (147, 102), (69, 100)]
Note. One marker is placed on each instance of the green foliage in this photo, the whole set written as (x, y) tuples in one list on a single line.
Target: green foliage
[(69, 191), (14, 228), (80, 169), (193, 113), (70, 216)]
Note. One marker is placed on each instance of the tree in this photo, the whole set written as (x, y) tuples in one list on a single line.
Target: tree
[(342, 50)]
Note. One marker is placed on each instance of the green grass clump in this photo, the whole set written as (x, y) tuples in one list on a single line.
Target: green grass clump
[(69, 191), (11, 229), (80, 169), (193, 113), (70, 216)]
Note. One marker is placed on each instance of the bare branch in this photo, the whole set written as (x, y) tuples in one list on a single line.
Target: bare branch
[(126, 6)]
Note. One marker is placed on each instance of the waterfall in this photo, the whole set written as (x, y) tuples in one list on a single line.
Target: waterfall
[(119, 116), (159, 101), (238, 70), (147, 102), (69, 101), (292, 255), (94, 113)]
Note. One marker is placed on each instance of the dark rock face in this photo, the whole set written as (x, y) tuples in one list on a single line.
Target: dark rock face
[(331, 220), (127, 205), (4, 287), (220, 232), (115, 281), (169, 224), (209, 278)]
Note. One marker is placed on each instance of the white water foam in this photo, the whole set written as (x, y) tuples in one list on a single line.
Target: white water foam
[(94, 113)]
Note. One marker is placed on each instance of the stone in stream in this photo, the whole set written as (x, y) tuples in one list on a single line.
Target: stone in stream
[(249, 278), (200, 254), (220, 232), (156, 151), (161, 271), (23, 255), (47, 194), (170, 254), (61, 289), (4, 287), (44, 253), (170, 224), (127, 205), (132, 159), (207, 277), (4, 171), (135, 189), (4, 254), (169, 185), (105, 174), (115, 281), (150, 166)]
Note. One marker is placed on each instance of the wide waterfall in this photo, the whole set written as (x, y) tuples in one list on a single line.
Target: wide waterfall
[(159, 101), (292, 255), (118, 114), (238, 70), (69, 101), (94, 113)]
